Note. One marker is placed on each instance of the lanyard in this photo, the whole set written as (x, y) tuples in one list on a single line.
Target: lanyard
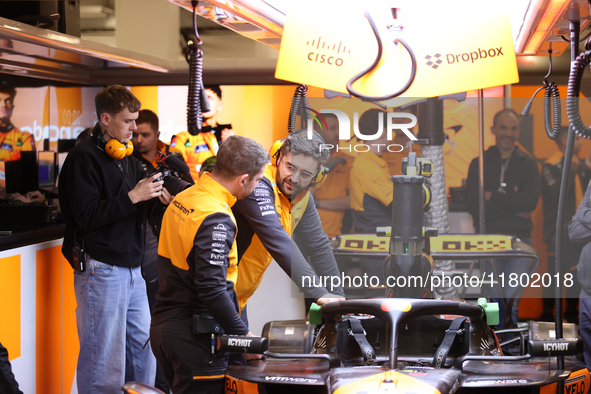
[(503, 169)]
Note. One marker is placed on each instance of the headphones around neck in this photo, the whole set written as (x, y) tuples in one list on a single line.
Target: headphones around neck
[(275, 153), (113, 148)]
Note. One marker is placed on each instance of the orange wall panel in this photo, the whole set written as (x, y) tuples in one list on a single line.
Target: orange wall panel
[(49, 320), (10, 305), (148, 95), (70, 344)]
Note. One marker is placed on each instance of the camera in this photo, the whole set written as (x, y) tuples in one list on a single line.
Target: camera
[(175, 173)]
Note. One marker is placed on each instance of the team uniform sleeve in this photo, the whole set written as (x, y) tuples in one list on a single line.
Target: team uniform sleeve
[(259, 209), (27, 142), (175, 144), (379, 188), (212, 244), (314, 243)]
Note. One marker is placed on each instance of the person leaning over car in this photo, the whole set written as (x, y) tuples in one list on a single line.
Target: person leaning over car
[(281, 206)]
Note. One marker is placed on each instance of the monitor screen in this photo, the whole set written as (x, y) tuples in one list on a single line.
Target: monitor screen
[(46, 169), (2, 177)]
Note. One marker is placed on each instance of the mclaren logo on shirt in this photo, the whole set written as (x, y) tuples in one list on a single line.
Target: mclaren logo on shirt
[(182, 208)]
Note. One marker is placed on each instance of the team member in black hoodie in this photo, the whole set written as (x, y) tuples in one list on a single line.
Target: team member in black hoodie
[(512, 189), (101, 199)]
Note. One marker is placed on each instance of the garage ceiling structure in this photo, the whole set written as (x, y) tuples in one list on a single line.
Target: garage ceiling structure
[(537, 25)]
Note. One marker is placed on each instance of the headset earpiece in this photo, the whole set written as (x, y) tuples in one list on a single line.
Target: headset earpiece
[(129, 149), (275, 152), (117, 149), (319, 177), (113, 148)]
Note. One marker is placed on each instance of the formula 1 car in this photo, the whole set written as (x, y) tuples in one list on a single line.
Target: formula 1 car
[(402, 346), (407, 343)]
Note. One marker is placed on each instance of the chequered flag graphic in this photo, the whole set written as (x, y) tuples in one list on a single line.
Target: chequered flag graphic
[(434, 61)]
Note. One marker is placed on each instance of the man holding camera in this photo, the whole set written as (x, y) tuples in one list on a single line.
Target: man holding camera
[(197, 268), (102, 195)]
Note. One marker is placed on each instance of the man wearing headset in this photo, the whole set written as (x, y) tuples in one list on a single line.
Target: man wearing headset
[(281, 206), (101, 192), (197, 266), (197, 148)]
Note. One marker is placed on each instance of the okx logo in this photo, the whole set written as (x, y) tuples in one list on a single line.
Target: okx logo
[(434, 61)]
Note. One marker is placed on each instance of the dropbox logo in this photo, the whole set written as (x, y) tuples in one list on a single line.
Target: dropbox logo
[(434, 61)]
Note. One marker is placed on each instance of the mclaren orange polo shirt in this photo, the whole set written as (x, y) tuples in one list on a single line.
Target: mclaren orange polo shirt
[(371, 192), (13, 142), (197, 257), (336, 185), (195, 149), (266, 218)]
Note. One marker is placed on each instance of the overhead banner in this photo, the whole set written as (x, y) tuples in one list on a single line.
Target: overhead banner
[(457, 47)]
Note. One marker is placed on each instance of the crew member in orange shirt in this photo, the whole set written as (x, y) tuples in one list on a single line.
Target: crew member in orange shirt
[(198, 148), (12, 140), (332, 197)]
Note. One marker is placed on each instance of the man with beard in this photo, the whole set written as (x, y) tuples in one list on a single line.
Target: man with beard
[(197, 268), (512, 189), (281, 206)]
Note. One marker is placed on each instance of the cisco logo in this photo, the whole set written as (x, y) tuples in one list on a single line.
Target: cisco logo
[(324, 52), (456, 58)]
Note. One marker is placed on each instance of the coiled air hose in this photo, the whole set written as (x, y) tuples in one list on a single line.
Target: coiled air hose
[(298, 105), (197, 101), (574, 89), (551, 98)]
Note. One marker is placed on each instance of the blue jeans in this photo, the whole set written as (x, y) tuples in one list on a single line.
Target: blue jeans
[(113, 321), (509, 266)]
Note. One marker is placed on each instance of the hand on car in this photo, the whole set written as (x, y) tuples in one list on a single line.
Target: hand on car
[(250, 356), (328, 298)]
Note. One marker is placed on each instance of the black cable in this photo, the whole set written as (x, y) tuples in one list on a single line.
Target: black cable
[(581, 40), (574, 89), (194, 57), (413, 72), (551, 91), (299, 97)]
